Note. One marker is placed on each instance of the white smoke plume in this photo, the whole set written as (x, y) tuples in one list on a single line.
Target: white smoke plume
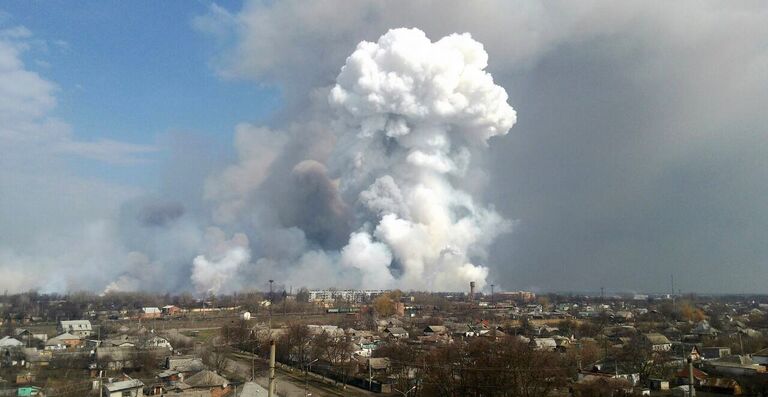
[(376, 203), (410, 113), (212, 272)]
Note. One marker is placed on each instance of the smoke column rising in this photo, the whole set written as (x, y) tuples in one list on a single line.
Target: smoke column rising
[(408, 115), (410, 111)]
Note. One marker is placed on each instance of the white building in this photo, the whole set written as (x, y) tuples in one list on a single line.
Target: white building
[(346, 295), (79, 328)]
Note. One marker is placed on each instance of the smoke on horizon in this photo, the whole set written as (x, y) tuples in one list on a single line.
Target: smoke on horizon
[(383, 208)]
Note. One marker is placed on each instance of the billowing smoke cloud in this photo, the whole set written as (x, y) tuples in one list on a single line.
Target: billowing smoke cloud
[(409, 112), (383, 207), (211, 272)]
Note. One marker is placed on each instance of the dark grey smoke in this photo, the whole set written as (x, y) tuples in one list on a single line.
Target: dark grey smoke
[(160, 213), (310, 201)]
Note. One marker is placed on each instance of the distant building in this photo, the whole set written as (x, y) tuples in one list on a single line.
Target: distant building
[(67, 339), (346, 295), (79, 328), (171, 310), (396, 333), (524, 296), (705, 331), (150, 312)]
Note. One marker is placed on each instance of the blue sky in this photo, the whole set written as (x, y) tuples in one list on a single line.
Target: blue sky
[(133, 72)]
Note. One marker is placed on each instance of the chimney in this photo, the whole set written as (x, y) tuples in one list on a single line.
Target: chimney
[(471, 291)]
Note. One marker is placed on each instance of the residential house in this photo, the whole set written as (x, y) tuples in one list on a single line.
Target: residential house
[(461, 330), (125, 388), (66, 340), (658, 384), (169, 376), (682, 377), (9, 345), (150, 312), (22, 334), (735, 365), (35, 358), (715, 352), (623, 315), (658, 342), (214, 383), (116, 358), (374, 366), (396, 333), (79, 328), (124, 341), (171, 310), (703, 330), (614, 370), (435, 330), (187, 365), (544, 344), (157, 342), (40, 337)]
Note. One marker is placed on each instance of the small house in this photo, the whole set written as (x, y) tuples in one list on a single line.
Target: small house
[(125, 388), (79, 328)]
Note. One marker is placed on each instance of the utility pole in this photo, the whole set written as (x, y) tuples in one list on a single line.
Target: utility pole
[(271, 391), (285, 299), (672, 281), (270, 305), (370, 375)]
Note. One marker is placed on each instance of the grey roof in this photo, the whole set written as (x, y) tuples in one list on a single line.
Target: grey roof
[(65, 336), (206, 378), (124, 385), (186, 364), (435, 328), (657, 338), (76, 325), (252, 389), (167, 373), (395, 331), (9, 342)]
